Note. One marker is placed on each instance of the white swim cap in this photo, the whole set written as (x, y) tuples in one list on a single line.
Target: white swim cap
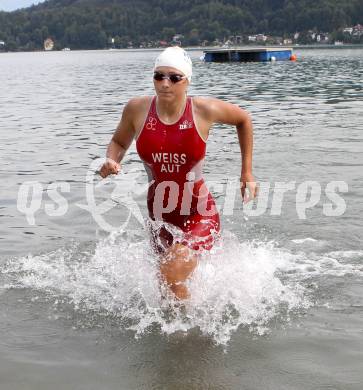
[(177, 58)]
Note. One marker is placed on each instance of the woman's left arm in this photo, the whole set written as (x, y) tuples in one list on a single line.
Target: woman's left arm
[(231, 114)]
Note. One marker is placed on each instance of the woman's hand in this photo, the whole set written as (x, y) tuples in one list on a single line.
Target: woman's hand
[(110, 167), (248, 182)]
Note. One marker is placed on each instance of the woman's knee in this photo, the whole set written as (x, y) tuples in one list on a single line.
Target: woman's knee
[(178, 264)]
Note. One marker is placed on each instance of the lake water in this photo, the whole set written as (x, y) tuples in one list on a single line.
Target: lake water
[(276, 305)]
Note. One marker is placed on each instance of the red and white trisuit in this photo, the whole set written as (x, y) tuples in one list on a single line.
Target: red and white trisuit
[(173, 156)]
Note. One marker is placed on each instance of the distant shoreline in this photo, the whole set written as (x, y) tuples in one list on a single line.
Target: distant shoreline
[(202, 48)]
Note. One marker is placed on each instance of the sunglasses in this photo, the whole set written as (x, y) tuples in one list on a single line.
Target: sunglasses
[(174, 78)]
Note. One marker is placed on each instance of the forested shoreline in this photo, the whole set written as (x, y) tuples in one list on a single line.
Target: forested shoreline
[(97, 24)]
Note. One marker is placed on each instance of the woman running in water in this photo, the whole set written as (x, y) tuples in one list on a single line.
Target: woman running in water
[(171, 130)]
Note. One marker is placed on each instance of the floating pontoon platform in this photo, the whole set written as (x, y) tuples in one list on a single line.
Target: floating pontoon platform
[(248, 54)]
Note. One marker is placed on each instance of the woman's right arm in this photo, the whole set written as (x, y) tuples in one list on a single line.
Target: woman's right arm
[(120, 141)]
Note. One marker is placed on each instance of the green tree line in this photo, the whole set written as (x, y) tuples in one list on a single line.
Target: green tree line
[(89, 24)]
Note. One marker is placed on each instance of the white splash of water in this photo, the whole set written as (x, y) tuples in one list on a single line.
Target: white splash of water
[(235, 284)]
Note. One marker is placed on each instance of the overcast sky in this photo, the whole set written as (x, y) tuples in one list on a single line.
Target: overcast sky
[(10, 5)]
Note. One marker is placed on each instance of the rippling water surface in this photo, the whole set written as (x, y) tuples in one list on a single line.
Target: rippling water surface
[(278, 302)]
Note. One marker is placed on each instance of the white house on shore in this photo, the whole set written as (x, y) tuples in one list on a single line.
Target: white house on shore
[(48, 44), (354, 30), (257, 38)]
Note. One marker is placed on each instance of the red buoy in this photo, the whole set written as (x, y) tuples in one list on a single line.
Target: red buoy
[(293, 57)]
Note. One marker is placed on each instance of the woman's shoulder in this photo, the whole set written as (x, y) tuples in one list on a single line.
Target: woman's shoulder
[(205, 102), (139, 101), (204, 105), (137, 106)]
